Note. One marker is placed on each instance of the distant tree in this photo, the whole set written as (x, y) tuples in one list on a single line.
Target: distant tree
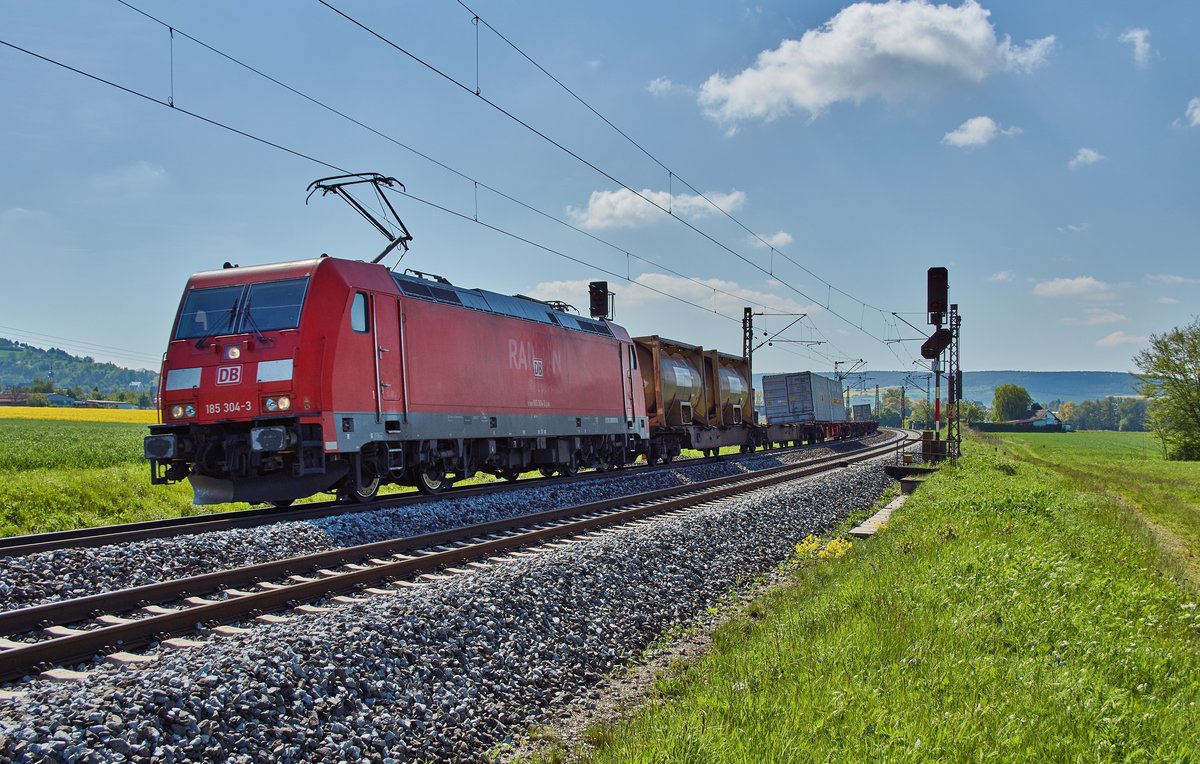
[(1009, 402), (1066, 411), (922, 415), (1127, 414), (37, 399), (971, 412), (889, 417), (1170, 378), (40, 385)]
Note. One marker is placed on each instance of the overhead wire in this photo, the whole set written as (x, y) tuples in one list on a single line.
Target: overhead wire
[(81, 345), (443, 165), (342, 170), (675, 175), (465, 176), (570, 152)]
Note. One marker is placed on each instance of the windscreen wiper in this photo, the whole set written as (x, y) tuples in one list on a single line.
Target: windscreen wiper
[(227, 323), (248, 320)]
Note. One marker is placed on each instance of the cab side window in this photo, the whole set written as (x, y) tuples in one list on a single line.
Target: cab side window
[(358, 313)]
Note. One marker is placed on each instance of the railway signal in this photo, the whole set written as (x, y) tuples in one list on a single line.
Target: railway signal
[(598, 299), (937, 296), (937, 342)]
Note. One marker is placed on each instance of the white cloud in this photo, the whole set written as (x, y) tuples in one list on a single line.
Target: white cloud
[(1118, 338), (140, 176), (625, 209), (660, 85), (1001, 276), (1095, 317), (731, 298), (1085, 156), (1140, 40), (977, 131), (1079, 286), (1074, 227), (777, 240), (889, 50), (1169, 278), (1167, 301), (1191, 117)]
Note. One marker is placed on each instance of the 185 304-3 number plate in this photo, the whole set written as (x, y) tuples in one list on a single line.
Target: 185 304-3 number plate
[(229, 407)]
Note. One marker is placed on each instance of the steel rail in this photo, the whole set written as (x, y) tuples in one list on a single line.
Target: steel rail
[(16, 546), (474, 542)]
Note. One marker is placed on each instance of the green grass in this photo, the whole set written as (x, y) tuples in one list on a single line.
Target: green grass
[(30, 444), (1008, 612), (58, 475), (1129, 465)]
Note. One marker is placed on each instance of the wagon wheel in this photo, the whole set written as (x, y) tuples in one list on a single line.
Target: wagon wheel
[(366, 491), (666, 458), (509, 475), (281, 503), (430, 478), (548, 471)]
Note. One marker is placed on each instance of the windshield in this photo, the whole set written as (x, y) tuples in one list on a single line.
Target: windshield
[(261, 307), (274, 305), (208, 311)]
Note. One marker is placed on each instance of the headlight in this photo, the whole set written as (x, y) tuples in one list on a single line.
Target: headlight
[(277, 403), (233, 352), (189, 411), (183, 411), (177, 412)]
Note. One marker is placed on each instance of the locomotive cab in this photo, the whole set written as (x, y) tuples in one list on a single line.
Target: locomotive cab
[(243, 390)]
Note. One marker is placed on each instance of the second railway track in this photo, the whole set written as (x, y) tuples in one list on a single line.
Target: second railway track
[(75, 630)]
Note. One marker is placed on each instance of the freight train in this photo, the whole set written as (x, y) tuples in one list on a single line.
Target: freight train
[(330, 375)]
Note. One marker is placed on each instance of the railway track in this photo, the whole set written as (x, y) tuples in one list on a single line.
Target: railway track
[(16, 546), (74, 631)]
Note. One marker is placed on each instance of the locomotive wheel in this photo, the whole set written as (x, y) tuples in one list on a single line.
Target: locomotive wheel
[(281, 503), (361, 493), (431, 479)]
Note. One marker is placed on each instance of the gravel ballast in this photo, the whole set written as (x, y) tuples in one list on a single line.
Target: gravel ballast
[(447, 671), (77, 572)]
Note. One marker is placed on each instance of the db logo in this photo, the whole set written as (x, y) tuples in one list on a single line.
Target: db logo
[(229, 375)]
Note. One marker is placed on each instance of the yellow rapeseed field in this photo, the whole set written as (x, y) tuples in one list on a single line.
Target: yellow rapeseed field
[(131, 416)]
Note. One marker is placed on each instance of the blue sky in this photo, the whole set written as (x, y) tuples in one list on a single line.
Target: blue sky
[(1046, 153)]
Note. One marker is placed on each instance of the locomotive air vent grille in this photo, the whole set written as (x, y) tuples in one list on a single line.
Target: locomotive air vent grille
[(594, 326), (414, 289), (445, 295)]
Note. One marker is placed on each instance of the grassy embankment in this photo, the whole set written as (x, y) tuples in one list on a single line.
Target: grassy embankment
[(1015, 609), (71, 468)]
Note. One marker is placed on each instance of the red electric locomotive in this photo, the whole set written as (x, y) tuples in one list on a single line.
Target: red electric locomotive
[(285, 380)]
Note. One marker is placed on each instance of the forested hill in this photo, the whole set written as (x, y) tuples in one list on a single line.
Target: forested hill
[(1043, 386), (22, 364)]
